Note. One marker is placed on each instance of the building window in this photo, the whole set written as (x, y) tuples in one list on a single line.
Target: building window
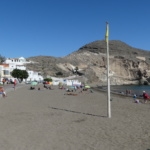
[(6, 72)]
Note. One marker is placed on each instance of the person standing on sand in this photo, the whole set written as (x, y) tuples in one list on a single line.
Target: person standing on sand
[(15, 82), (127, 92), (3, 81), (145, 96)]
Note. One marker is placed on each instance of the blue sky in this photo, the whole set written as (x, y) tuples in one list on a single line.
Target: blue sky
[(60, 27)]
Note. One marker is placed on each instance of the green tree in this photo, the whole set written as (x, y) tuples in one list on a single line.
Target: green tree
[(48, 79), (2, 58), (20, 74), (25, 74)]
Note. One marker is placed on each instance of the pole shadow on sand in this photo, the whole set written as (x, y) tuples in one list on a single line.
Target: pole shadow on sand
[(72, 111)]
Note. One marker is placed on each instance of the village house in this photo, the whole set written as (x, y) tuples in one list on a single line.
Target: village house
[(17, 63)]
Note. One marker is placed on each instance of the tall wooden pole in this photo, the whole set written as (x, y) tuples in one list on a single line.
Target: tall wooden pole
[(108, 76)]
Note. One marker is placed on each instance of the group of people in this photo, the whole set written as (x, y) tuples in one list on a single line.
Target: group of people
[(78, 89), (128, 92), (7, 81), (48, 87), (145, 96)]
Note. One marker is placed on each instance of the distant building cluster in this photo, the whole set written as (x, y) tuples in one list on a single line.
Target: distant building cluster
[(17, 63), (65, 81)]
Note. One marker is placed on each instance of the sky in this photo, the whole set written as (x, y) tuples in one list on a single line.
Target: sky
[(59, 27)]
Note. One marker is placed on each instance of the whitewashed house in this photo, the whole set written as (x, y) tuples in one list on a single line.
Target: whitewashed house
[(34, 76), (17, 63), (4, 71)]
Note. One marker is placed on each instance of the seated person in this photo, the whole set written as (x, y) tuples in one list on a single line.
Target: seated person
[(85, 89), (134, 96), (2, 92), (137, 101), (61, 87), (32, 88), (67, 90), (74, 94), (45, 86)]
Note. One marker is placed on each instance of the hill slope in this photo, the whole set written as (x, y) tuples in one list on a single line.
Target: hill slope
[(128, 65)]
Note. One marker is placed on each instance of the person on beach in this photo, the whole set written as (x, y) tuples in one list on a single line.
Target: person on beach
[(46, 87), (134, 96), (15, 82), (129, 92), (126, 92), (137, 101), (2, 92), (145, 96), (32, 88), (3, 81), (75, 88)]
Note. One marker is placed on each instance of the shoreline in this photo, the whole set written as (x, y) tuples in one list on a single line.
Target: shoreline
[(93, 87), (121, 90)]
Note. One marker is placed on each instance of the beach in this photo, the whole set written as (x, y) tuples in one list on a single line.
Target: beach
[(49, 120)]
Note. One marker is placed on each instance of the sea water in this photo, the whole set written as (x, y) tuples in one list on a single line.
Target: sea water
[(135, 89)]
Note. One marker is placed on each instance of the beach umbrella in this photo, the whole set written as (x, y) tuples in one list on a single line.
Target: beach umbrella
[(33, 83), (87, 86)]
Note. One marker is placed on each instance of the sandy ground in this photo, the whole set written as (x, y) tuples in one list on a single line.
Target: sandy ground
[(50, 120)]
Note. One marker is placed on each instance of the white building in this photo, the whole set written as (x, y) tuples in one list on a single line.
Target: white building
[(65, 81), (73, 83), (34, 76), (4, 71), (17, 63)]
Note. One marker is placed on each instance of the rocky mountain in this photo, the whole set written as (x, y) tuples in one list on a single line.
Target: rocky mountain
[(128, 65)]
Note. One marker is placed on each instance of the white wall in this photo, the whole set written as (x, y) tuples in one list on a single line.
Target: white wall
[(34, 76), (66, 82), (73, 82)]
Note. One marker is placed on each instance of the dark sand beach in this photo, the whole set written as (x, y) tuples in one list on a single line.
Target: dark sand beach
[(49, 120)]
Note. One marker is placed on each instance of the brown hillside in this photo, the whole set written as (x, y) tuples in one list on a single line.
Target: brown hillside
[(92, 58)]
